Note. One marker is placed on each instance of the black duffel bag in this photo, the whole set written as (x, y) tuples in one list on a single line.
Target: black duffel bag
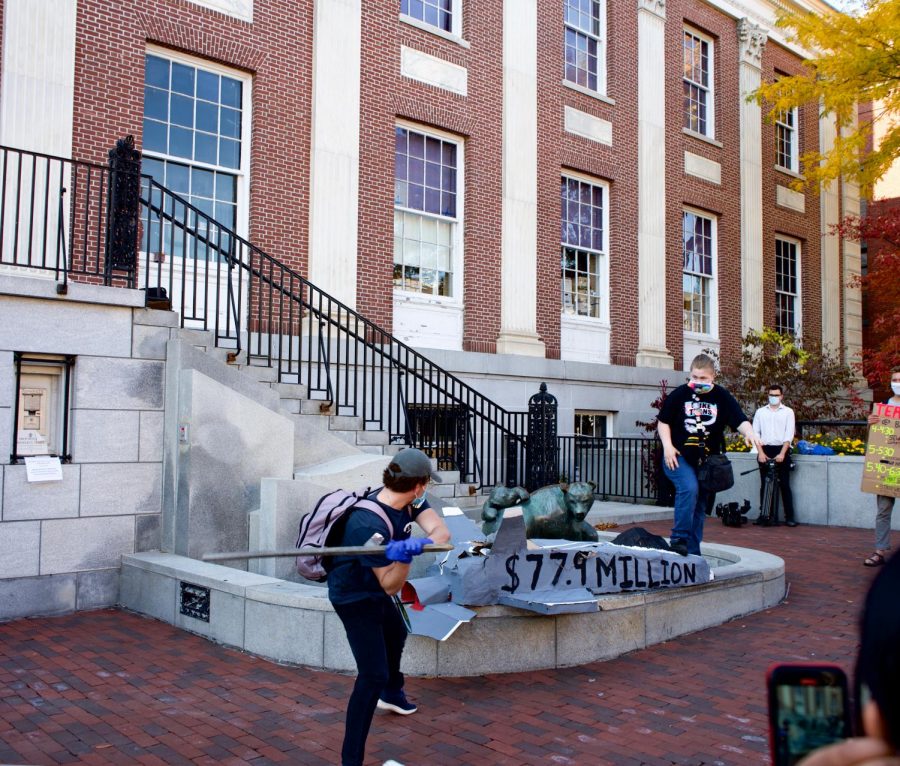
[(715, 474)]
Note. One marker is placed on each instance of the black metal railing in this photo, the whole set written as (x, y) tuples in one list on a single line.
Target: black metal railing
[(621, 467), (258, 307), (53, 217)]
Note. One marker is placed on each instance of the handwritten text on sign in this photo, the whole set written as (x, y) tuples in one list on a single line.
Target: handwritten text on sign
[(881, 473), (599, 571)]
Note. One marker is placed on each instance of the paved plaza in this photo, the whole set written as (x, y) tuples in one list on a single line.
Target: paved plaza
[(110, 687)]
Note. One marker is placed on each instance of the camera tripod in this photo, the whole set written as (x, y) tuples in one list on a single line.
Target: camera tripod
[(771, 496)]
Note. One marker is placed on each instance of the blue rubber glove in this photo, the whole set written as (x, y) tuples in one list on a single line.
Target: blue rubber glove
[(404, 550)]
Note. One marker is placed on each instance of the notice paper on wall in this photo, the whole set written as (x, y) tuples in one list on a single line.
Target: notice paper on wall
[(43, 468)]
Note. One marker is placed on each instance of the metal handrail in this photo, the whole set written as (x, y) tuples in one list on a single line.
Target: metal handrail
[(260, 310), (368, 372)]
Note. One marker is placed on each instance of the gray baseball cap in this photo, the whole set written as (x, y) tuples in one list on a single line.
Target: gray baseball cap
[(412, 463)]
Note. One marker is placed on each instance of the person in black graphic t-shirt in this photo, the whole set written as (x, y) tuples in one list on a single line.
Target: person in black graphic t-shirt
[(691, 426)]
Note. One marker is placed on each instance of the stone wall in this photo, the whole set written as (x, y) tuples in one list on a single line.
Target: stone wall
[(61, 542), (825, 487)]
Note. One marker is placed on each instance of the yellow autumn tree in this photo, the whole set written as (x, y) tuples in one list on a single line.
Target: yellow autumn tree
[(855, 59)]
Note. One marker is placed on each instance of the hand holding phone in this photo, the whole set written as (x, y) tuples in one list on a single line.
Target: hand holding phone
[(808, 708)]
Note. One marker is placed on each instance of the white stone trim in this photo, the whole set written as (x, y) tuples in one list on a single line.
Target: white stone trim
[(830, 215), (751, 43), (238, 9), (431, 70), (38, 85), (334, 156), (452, 37), (701, 167), (587, 126), (792, 200)]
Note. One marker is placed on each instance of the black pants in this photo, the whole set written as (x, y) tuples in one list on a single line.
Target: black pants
[(376, 634), (783, 470)]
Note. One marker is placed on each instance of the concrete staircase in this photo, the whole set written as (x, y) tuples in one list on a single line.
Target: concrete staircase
[(330, 450)]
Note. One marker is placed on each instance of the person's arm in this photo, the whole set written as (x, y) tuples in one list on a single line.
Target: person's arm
[(863, 751), (757, 423), (392, 577), (670, 453), (433, 526), (745, 429)]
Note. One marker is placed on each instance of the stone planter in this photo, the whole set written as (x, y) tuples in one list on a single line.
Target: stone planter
[(826, 490)]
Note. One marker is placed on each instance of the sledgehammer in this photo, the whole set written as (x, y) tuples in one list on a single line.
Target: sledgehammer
[(340, 550)]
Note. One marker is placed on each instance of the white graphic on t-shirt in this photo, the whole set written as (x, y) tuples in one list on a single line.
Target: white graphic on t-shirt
[(407, 530), (699, 416)]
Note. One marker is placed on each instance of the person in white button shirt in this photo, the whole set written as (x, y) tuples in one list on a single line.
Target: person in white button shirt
[(775, 425)]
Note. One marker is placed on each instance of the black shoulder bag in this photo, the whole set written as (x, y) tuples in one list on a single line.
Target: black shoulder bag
[(715, 474)]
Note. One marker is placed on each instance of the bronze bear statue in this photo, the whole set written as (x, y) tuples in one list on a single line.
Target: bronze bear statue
[(550, 512)]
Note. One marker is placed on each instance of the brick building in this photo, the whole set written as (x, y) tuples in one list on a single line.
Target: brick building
[(573, 191)]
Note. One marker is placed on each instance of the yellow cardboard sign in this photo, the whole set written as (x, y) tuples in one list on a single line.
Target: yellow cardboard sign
[(881, 471)]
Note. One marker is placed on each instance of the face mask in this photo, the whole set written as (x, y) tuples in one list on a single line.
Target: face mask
[(774, 400), (701, 388), (418, 501), (895, 387)]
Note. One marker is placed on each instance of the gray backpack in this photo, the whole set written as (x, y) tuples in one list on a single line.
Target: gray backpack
[(318, 524)]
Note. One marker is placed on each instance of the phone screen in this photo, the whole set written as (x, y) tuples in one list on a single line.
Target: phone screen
[(808, 708)]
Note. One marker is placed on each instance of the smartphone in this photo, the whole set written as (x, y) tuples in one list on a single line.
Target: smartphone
[(808, 708)]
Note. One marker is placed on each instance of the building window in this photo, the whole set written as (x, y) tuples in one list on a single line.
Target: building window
[(583, 247), (786, 149), (698, 277), (426, 212), (194, 124), (591, 424), (698, 83), (787, 287), (584, 50), (435, 13), (42, 418)]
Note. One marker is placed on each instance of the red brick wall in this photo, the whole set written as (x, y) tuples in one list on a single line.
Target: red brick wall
[(276, 49), (783, 221), (475, 119), (683, 190)]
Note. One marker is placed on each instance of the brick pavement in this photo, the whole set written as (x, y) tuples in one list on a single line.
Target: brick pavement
[(111, 687)]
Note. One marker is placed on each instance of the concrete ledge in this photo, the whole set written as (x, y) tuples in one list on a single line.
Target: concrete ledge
[(294, 623), (36, 287)]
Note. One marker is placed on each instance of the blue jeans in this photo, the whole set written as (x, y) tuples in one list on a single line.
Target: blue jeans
[(690, 505), (376, 634)]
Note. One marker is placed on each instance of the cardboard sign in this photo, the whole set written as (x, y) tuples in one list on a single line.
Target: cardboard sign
[(881, 472)]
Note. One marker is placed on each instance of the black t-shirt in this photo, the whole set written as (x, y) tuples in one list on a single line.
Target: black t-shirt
[(350, 578), (699, 420)]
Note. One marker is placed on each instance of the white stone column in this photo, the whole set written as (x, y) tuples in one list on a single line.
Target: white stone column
[(751, 42), (652, 350), (38, 88), (518, 271), (334, 152), (830, 215), (852, 263)]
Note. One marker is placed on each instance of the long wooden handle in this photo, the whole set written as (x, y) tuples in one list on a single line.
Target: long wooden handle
[(345, 550)]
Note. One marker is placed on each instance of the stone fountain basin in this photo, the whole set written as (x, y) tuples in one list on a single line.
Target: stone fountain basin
[(293, 623)]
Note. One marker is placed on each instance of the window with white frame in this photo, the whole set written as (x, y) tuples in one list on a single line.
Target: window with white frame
[(698, 83), (441, 14), (193, 142), (787, 286), (583, 247), (786, 148), (584, 43), (426, 211), (698, 274), (591, 424)]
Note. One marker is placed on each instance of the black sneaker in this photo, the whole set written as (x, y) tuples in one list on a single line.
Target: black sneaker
[(790, 523), (397, 703), (679, 547)]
